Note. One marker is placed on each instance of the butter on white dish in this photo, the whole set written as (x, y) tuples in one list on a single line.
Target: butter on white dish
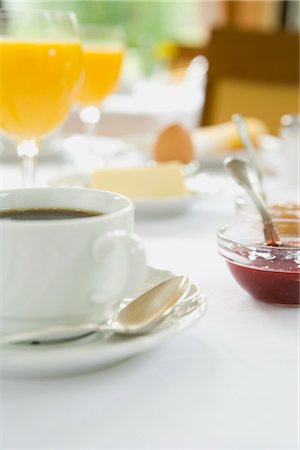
[(162, 180), (199, 187)]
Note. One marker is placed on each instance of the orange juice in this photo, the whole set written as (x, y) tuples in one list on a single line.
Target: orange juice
[(38, 80), (101, 73)]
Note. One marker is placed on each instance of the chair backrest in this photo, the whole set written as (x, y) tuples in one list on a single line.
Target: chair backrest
[(252, 73)]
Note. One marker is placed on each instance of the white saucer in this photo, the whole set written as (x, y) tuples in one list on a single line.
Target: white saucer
[(75, 148), (200, 187), (99, 351)]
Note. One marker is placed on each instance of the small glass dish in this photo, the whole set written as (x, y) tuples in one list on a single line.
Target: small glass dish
[(269, 274), (285, 204)]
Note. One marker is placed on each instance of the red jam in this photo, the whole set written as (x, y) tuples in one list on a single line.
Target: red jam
[(273, 281)]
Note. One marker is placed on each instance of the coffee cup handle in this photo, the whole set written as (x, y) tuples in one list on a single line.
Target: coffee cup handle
[(122, 265)]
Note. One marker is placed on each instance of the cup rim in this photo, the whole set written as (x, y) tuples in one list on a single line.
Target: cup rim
[(62, 222)]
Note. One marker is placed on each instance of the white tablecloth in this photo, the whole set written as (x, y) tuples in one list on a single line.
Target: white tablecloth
[(229, 382)]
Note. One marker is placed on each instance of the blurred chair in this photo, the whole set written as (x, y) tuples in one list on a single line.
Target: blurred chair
[(253, 73)]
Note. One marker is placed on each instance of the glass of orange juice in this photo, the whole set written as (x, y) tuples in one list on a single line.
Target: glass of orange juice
[(103, 54), (40, 70)]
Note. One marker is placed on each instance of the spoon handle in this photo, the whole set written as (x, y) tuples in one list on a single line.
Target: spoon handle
[(239, 169), (240, 122), (62, 333), (270, 232)]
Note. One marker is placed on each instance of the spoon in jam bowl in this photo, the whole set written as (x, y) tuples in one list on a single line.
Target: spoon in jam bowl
[(138, 317), (240, 171)]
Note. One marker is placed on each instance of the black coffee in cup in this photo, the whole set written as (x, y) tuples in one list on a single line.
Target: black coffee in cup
[(47, 214)]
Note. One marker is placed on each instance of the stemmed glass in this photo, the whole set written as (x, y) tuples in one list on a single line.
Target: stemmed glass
[(40, 70), (103, 52)]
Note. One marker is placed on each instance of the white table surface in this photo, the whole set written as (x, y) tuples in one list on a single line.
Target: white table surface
[(229, 382)]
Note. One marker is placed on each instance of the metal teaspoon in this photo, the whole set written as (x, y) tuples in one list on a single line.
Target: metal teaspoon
[(239, 169), (138, 317), (244, 134)]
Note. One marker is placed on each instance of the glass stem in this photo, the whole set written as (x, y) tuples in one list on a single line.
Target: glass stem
[(89, 133), (90, 117), (28, 152)]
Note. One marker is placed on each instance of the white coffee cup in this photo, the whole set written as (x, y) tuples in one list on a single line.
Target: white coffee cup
[(67, 270)]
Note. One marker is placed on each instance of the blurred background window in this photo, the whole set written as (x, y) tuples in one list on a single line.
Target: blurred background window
[(150, 26), (182, 22), (144, 21), (165, 36), (158, 29)]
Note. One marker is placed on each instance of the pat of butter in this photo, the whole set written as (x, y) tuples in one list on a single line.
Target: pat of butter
[(159, 180)]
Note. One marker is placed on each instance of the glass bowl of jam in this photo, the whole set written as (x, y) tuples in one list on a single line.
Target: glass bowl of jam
[(269, 274)]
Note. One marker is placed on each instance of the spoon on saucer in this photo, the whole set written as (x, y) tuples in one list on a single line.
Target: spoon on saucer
[(138, 317), (240, 170)]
